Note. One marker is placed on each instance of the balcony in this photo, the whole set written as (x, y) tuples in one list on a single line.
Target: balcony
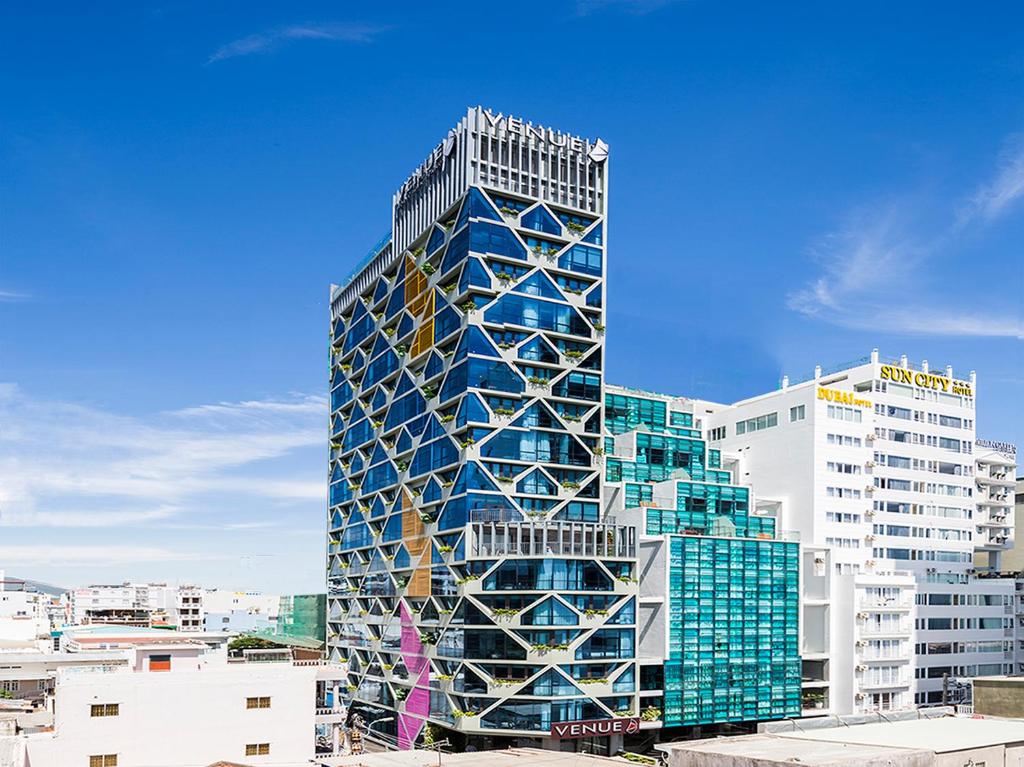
[(880, 603), (886, 629), (550, 538)]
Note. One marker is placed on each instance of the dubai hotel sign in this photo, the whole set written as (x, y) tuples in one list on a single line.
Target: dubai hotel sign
[(924, 380), (596, 728)]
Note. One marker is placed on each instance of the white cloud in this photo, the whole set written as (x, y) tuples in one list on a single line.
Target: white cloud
[(874, 271), (264, 42), (10, 296), (75, 556), (68, 465), (995, 197)]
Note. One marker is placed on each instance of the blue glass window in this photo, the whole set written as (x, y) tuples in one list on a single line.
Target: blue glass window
[(436, 239), (499, 240), (540, 220), (513, 309), (581, 258), (537, 284)]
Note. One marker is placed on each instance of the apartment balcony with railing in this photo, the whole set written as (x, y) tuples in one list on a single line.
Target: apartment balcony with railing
[(491, 538)]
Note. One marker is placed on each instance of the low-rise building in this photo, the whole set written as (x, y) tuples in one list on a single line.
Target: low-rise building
[(938, 740)]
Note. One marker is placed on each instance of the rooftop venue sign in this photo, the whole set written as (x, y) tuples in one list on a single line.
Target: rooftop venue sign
[(591, 728)]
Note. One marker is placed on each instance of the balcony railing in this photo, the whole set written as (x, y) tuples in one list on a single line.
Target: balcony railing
[(551, 538)]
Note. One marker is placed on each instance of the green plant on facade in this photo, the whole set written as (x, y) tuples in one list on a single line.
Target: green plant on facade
[(572, 226), (506, 411), (599, 327), (467, 442), (448, 418), (506, 210), (467, 579), (449, 287), (428, 269), (539, 381), (468, 306), (504, 276), (504, 612), (651, 714)]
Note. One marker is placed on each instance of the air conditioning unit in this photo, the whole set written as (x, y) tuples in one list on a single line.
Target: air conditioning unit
[(870, 563), (869, 537), (861, 667), (870, 436), (861, 643), (869, 489), (869, 513), (862, 616), (859, 696), (870, 464)]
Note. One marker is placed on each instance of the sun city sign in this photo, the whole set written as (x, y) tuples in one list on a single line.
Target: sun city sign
[(925, 380), (596, 728)]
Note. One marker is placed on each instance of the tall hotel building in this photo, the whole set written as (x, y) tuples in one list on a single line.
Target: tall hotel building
[(902, 515), (481, 576)]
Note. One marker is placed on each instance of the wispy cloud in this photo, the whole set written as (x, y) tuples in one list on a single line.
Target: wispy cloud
[(873, 270), (995, 197), (265, 42), (76, 556), (64, 464), (10, 296)]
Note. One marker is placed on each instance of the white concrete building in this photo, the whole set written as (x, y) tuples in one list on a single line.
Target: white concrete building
[(250, 714), (875, 465), (23, 612), (238, 611)]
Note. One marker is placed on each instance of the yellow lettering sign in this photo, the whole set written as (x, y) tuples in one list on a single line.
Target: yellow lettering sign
[(924, 380), (842, 397)]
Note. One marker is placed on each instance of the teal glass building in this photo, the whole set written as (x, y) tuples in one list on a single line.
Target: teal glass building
[(724, 643)]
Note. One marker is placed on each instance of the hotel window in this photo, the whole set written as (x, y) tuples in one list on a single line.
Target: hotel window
[(103, 760), (716, 434), (759, 423), (843, 468), (10, 686), (260, 702), (840, 413), (257, 749), (797, 413), (105, 709)]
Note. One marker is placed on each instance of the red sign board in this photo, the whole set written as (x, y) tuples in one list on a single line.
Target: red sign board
[(596, 728)]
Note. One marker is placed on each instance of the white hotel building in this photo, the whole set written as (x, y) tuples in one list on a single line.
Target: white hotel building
[(900, 517)]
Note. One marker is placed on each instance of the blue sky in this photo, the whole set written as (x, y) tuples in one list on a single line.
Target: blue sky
[(792, 183)]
